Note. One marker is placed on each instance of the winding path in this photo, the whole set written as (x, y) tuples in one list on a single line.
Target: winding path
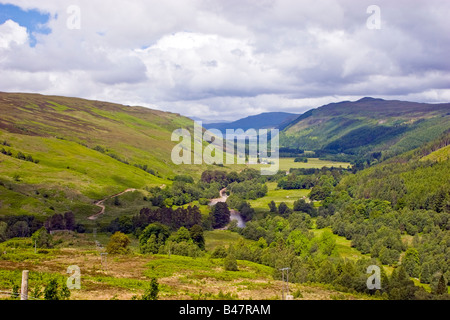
[(100, 204)]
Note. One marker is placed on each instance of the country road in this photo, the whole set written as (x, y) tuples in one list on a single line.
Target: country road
[(100, 204)]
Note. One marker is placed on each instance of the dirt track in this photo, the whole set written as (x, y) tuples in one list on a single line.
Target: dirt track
[(100, 204)]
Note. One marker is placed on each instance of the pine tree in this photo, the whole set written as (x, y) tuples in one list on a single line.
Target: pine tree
[(441, 286), (426, 273), (401, 287), (151, 293)]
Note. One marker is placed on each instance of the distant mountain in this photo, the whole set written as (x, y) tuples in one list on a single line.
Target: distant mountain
[(367, 126), (203, 121), (267, 120)]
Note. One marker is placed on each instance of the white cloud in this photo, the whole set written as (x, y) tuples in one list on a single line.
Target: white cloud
[(227, 59), (12, 34)]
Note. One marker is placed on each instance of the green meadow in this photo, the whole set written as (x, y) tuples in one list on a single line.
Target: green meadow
[(288, 163), (278, 196)]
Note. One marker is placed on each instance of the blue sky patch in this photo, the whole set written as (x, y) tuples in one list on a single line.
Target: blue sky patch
[(33, 20)]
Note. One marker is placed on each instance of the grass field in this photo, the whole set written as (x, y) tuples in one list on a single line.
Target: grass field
[(221, 238), (278, 196), (441, 154), (343, 245), (288, 163)]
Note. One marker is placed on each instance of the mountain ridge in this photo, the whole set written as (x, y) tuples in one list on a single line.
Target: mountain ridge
[(265, 120), (368, 125)]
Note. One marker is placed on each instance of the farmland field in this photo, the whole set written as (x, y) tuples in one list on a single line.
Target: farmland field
[(288, 163), (278, 196)]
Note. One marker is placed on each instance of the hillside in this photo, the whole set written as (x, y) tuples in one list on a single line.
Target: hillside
[(418, 179), (265, 120), (79, 151), (367, 126)]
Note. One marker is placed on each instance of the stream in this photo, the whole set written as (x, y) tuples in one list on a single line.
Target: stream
[(234, 215)]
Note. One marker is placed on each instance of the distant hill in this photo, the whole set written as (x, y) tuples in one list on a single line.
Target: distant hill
[(267, 120), (367, 126)]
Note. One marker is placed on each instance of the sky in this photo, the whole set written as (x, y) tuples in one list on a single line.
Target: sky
[(227, 59)]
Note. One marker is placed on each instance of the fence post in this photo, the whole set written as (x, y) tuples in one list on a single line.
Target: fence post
[(24, 288)]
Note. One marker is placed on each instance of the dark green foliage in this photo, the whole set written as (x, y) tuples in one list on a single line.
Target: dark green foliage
[(401, 287), (20, 226), (174, 219), (20, 155), (153, 237), (6, 152), (303, 206), (146, 168), (441, 287), (196, 233), (364, 136), (59, 221), (246, 211), (99, 149), (56, 291), (220, 215), (248, 189), (218, 176), (284, 210), (123, 224), (273, 207), (151, 292), (184, 178)]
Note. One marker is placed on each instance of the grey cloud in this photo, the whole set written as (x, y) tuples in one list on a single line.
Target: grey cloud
[(231, 58)]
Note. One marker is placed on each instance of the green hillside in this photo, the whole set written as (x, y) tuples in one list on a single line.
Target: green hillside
[(419, 179), (61, 154), (367, 126)]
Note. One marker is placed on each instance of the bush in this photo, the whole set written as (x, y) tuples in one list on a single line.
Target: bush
[(42, 238), (230, 262), (56, 291), (118, 244), (151, 293), (219, 252)]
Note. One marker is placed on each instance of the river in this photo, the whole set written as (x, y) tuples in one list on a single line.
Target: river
[(234, 215)]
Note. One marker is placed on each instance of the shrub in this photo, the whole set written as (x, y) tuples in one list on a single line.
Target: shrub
[(151, 293), (230, 262), (118, 244), (42, 238)]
